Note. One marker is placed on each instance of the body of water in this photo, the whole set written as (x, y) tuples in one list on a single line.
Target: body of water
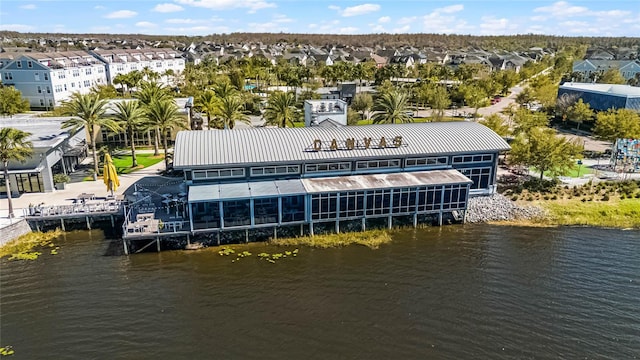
[(456, 292)]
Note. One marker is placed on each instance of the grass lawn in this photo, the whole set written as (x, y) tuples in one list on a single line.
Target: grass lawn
[(613, 213), (573, 173), (123, 162)]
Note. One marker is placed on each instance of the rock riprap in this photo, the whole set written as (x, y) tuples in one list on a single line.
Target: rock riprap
[(497, 207)]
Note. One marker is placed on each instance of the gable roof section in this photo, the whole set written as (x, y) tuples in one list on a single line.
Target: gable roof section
[(207, 148)]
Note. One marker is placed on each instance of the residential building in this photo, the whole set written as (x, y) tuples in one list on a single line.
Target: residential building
[(124, 61), (590, 69), (47, 79)]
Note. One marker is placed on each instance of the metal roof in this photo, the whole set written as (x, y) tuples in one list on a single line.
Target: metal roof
[(207, 148), (246, 190), (384, 181)]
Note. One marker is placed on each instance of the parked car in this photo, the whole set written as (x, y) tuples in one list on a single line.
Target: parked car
[(496, 100)]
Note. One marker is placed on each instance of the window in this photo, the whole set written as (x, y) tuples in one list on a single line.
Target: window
[(352, 204), (479, 176), (46, 77), (41, 102), (29, 64), (65, 87), (404, 201), (8, 76), (218, 173), (428, 161), (323, 206), (19, 64), (76, 73), (36, 77), (39, 90), (378, 202), (375, 164), (87, 71), (48, 90), (470, 159), (87, 83), (327, 167), (159, 64), (275, 170), (429, 199)]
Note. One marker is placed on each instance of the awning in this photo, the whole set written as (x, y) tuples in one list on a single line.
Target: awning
[(275, 188)]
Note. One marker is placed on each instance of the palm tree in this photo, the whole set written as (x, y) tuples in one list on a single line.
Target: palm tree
[(230, 109), (130, 117), (88, 111), (13, 146), (149, 92), (165, 116), (206, 101), (392, 107), (281, 109)]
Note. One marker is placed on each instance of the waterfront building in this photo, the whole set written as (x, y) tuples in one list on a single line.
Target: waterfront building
[(271, 177), (55, 151)]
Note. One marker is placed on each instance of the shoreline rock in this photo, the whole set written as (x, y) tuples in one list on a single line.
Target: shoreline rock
[(497, 207)]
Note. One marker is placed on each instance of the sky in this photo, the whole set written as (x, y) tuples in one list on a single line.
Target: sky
[(203, 17)]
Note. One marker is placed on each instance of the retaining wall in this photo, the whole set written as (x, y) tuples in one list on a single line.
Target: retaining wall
[(13, 231)]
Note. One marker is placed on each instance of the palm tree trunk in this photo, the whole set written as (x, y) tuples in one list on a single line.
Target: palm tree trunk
[(156, 150), (126, 139), (7, 182), (164, 145), (134, 161), (94, 155)]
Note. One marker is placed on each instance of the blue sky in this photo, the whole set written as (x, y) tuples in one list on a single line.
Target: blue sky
[(202, 17)]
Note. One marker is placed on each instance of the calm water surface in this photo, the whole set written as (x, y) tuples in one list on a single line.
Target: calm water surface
[(472, 292)]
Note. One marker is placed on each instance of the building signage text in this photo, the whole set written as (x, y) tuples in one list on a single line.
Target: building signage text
[(356, 144)]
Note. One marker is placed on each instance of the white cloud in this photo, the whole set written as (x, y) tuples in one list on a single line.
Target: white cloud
[(400, 30), (99, 7), (493, 26), (198, 30), (384, 19), (252, 5), (407, 20), (443, 21), (360, 10), (266, 27), (347, 30), (167, 8), (28, 6), (184, 21), (16, 27), (451, 9), (334, 7), (562, 9), (121, 14), (145, 24), (280, 18)]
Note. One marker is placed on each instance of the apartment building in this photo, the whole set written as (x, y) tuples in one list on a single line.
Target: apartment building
[(124, 61)]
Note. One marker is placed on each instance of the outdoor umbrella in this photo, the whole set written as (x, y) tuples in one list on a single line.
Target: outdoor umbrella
[(110, 175)]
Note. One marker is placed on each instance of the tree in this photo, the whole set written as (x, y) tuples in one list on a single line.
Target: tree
[(475, 97), (392, 107), (545, 90), (130, 117), (525, 97), (207, 101), (542, 149), (525, 120), (14, 145), (611, 76), (496, 123), (580, 112), (564, 102), (105, 91), (281, 109), (362, 103), (439, 101), (11, 101), (164, 116), (230, 109), (88, 111), (148, 93), (617, 124)]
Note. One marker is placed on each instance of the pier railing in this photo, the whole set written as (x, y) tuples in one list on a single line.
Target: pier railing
[(73, 209)]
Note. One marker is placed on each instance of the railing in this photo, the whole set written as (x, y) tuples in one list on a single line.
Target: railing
[(74, 209)]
